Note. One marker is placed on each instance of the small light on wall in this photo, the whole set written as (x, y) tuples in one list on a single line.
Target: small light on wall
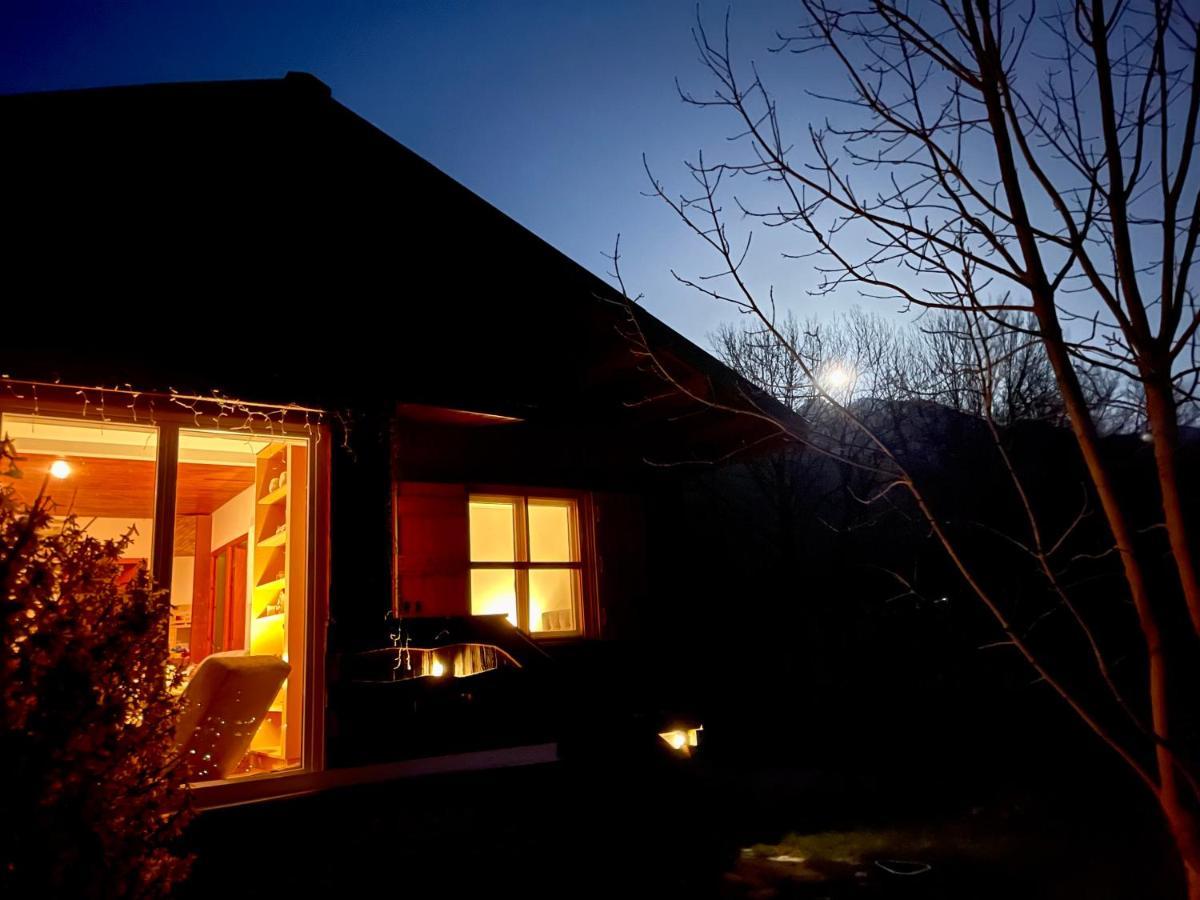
[(681, 739), (437, 669), (60, 468), (677, 740)]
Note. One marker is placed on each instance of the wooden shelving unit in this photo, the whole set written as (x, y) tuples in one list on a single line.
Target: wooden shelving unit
[(268, 587), (279, 495), (279, 541), (275, 540)]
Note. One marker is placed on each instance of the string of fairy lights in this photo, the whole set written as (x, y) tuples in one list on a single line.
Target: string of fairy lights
[(214, 412)]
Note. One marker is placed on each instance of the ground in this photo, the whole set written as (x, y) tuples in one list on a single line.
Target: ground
[(968, 857), (731, 833)]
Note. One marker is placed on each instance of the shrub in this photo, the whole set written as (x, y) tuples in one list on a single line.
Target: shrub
[(90, 798)]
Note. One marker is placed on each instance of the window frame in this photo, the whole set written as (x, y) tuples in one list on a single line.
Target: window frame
[(586, 611), (170, 414)]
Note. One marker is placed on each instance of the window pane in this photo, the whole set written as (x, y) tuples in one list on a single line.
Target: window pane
[(552, 594), (494, 592), (493, 526), (552, 531), (102, 473), (238, 591), (214, 510)]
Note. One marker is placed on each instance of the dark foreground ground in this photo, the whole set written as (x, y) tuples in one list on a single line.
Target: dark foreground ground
[(697, 830)]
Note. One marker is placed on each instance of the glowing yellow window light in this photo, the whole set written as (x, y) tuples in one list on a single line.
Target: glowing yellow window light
[(551, 531), (526, 561), (552, 599), (493, 530), (494, 592)]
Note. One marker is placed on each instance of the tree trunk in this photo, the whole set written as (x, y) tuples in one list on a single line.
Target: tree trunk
[(1184, 827), (1164, 428)]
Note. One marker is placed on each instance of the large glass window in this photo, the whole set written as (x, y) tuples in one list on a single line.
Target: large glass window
[(526, 562), (238, 568), (102, 473), (239, 575)]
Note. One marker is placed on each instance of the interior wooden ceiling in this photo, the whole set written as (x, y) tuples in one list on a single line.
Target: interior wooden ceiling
[(124, 488), (185, 536)]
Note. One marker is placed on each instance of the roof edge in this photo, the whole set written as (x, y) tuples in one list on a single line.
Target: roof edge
[(296, 80)]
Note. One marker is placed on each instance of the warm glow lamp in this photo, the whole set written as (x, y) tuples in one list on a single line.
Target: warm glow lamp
[(682, 739), (60, 468), (676, 740)]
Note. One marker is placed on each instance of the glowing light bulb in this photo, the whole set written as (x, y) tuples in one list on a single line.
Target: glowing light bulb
[(677, 740), (437, 670), (60, 468)]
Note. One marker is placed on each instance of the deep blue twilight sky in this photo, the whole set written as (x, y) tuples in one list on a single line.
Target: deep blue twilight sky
[(543, 108)]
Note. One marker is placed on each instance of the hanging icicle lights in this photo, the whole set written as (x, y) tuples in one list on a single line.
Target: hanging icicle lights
[(214, 412)]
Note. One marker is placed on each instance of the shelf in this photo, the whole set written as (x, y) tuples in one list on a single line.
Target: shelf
[(277, 585), (269, 644), (277, 495), (275, 540)]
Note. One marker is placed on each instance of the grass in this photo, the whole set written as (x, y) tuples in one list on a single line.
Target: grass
[(926, 842), (552, 833), (980, 855)]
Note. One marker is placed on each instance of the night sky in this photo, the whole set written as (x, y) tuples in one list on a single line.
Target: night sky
[(542, 108)]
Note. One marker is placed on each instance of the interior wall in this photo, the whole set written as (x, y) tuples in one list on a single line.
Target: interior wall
[(231, 521), (183, 570), (105, 528)]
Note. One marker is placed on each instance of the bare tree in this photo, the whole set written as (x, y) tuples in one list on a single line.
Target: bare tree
[(759, 355), (861, 355), (1032, 177)]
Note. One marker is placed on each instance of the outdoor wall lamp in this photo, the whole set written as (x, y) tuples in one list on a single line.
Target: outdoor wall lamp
[(682, 739)]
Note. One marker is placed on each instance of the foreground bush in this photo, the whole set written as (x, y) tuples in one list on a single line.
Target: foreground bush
[(88, 796)]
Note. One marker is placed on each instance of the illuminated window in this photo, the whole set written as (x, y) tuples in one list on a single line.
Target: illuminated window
[(239, 584), (230, 528), (103, 473), (526, 562)]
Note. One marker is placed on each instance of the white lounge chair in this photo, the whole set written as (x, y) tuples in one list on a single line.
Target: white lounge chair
[(223, 705)]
